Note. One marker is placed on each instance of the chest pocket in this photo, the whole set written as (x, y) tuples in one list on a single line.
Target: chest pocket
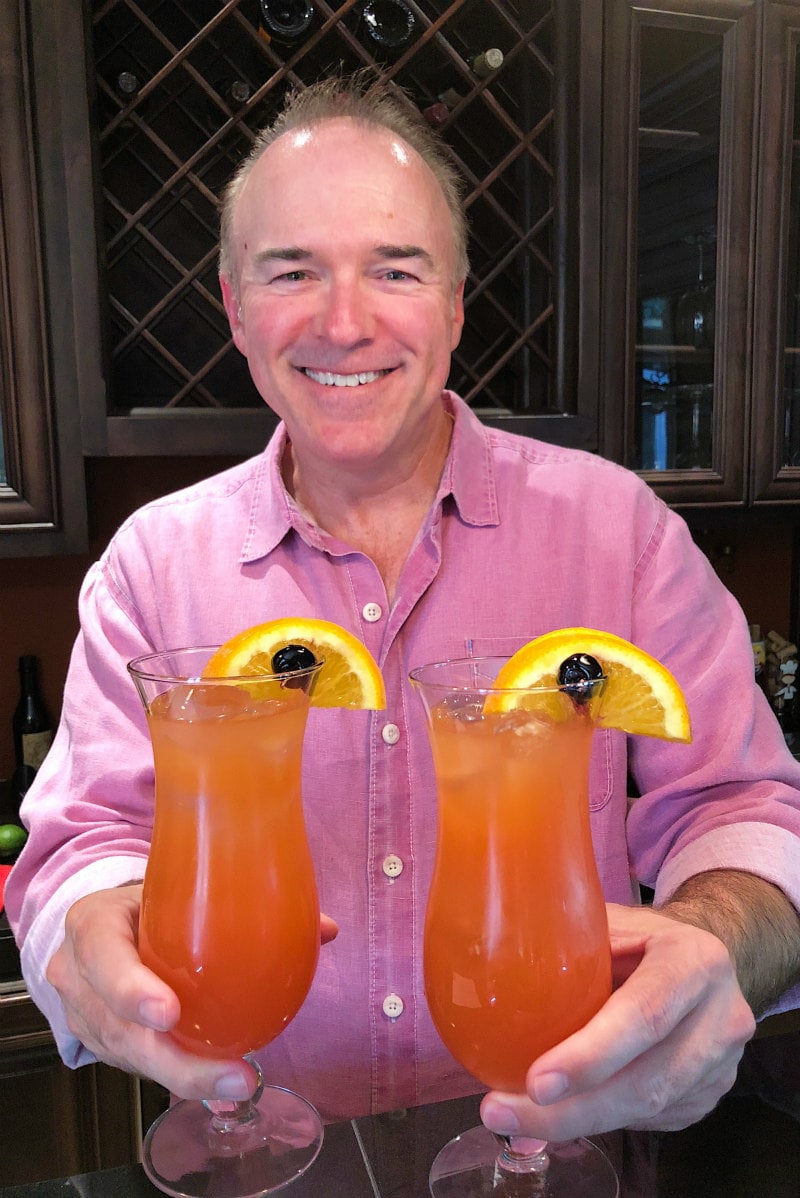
[(601, 766)]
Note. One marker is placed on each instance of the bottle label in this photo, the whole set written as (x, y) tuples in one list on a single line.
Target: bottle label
[(34, 747)]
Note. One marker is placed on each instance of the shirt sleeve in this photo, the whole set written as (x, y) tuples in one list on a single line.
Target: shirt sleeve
[(89, 811), (731, 799)]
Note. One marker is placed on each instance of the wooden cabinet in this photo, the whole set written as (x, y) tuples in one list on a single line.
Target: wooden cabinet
[(700, 206), (170, 102), (617, 143), (42, 500), (57, 1121)]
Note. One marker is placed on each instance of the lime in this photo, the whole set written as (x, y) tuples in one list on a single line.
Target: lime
[(12, 838)]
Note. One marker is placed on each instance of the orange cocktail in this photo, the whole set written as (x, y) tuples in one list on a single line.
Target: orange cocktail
[(230, 916), (516, 951)]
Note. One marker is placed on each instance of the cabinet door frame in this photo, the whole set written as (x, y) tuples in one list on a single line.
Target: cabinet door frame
[(734, 21), (771, 480), (43, 504)]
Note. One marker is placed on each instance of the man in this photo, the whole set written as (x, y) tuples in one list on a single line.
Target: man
[(383, 504)]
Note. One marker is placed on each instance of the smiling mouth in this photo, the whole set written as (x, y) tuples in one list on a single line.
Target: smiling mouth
[(328, 379)]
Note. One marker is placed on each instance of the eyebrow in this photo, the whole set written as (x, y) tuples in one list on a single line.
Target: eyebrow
[(289, 253), (404, 251), (295, 253)]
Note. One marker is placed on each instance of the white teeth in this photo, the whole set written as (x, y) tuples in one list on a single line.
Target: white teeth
[(344, 380)]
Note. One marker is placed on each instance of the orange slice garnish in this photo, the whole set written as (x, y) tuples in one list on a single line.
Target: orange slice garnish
[(640, 695), (349, 677)]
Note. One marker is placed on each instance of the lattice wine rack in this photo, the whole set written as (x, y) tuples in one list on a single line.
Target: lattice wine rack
[(181, 88)]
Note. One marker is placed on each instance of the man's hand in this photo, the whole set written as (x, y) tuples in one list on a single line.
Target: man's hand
[(658, 1055), (122, 1012)]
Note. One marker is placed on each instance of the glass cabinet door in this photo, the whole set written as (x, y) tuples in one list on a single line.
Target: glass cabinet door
[(678, 109), (791, 317), (680, 91), (775, 414)]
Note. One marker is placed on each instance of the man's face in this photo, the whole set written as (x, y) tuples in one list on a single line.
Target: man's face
[(347, 310)]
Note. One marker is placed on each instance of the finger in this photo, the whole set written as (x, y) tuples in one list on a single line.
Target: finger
[(668, 1089), (679, 974), (156, 1055), (120, 1010), (328, 929), (666, 1043), (100, 954)]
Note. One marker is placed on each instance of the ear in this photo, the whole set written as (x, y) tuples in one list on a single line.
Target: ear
[(233, 311), (458, 315)]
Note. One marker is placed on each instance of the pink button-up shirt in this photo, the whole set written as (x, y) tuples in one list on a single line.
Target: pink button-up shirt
[(523, 537)]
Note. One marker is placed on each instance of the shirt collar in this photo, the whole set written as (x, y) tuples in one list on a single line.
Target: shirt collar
[(468, 476), (271, 512)]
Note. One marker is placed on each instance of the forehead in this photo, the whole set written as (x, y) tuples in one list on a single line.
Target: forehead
[(369, 170)]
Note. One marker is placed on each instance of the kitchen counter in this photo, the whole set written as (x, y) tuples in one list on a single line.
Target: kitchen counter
[(745, 1149)]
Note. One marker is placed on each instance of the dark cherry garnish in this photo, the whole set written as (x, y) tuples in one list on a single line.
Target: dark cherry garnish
[(578, 676), (291, 658)]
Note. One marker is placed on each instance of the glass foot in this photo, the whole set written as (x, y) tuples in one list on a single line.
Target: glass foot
[(190, 1154), (471, 1166)]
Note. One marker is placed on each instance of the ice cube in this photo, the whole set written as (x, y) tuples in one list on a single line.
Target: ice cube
[(521, 722), (205, 701), (463, 706)]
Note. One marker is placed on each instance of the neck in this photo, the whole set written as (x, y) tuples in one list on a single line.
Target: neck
[(379, 512)]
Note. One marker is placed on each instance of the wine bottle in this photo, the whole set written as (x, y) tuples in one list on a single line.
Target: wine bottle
[(444, 96), (486, 63), (284, 21), (234, 92), (387, 26), (435, 112), (127, 85), (31, 726)]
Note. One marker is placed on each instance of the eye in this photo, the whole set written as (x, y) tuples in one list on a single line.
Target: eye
[(291, 276), (396, 275)]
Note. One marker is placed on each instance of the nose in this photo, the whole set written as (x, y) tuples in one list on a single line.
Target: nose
[(345, 317)]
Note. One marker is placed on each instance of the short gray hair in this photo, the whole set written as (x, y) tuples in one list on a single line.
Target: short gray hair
[(363, 98)]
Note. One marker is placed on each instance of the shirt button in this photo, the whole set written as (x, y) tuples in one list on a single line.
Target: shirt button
[(393, 1006), (392, 866), (372, 612), (390, 734)]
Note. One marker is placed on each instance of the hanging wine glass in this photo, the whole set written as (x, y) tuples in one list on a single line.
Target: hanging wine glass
[(694, 311)]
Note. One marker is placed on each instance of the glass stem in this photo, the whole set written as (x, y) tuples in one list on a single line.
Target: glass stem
[(228, 1116), (521, 1154)]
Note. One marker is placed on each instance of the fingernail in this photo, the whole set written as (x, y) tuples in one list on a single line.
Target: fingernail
[(153, 1012), (232, 1086), (500, 1118), (549, 1087)]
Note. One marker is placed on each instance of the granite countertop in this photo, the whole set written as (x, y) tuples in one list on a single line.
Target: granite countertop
[(745, 1148), (384, 1156), (366, 1158)]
